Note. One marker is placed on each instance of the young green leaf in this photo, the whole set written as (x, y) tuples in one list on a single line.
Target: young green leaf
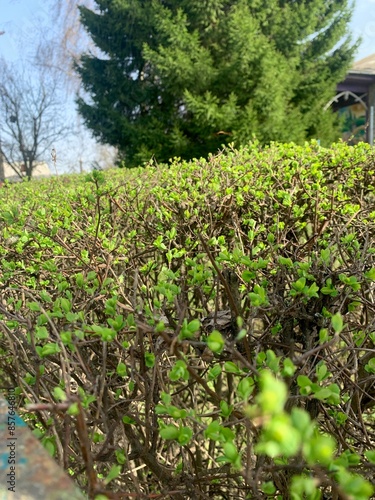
[(215, 342), (337, 323)]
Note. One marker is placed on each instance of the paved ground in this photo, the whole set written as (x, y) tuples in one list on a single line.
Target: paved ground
[(27, 471)]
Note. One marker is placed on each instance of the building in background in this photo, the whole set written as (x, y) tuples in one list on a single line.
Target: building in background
[(41, 170), (355, 102)]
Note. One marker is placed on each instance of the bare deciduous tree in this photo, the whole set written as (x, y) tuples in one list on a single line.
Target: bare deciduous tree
[(57, 50), (30, 117), (54, 38)]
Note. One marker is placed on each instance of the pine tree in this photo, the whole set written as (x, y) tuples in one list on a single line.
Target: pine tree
[(181, 78)]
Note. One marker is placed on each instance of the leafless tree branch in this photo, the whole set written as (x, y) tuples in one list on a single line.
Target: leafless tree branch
[(30, 117)]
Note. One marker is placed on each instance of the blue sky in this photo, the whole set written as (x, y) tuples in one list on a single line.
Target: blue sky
[(21, 18), (363, 24)]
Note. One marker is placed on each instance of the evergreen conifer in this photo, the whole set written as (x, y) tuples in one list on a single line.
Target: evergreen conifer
[(182, 77)]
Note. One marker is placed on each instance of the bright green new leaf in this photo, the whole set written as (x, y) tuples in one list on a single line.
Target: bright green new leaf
[(321, 371), (59, 394), (49, 349), (268, 488), (175, 412), (215, 342), (166, 398), (312, 291), (45, 296), (65, 305), (114, 472), (279, 437), (226, 409), (370, 275), (194, 326), (299, 284), (245, 388), (287, 262), (41, 333), (219, 433), (184, 436), (170, 432), (305, 384), (273, 393), (149, 359), (370, 366), (289, 368), (128, 420), (230, 451), (370, 455), (325, 255), (337, 323), (302, 422), (33, 306), (247, 276), (231, 367), (213, 431), (214, 372), (179, 371), (120, 456), (319, 449), (73, 409), (324, 335), (121, 369)]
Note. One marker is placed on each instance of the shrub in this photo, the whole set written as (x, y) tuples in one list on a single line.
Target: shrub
[(203, 329)]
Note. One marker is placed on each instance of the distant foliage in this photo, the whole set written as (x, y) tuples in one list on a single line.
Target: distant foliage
[(199, 330), (182, 78)]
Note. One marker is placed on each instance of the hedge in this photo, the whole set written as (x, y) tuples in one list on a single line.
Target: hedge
[(198, 330)]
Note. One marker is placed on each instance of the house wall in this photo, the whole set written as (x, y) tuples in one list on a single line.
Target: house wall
[(41, 170)]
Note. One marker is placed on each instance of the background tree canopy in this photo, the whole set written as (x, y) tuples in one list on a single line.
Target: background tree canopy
[(181, 78)]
